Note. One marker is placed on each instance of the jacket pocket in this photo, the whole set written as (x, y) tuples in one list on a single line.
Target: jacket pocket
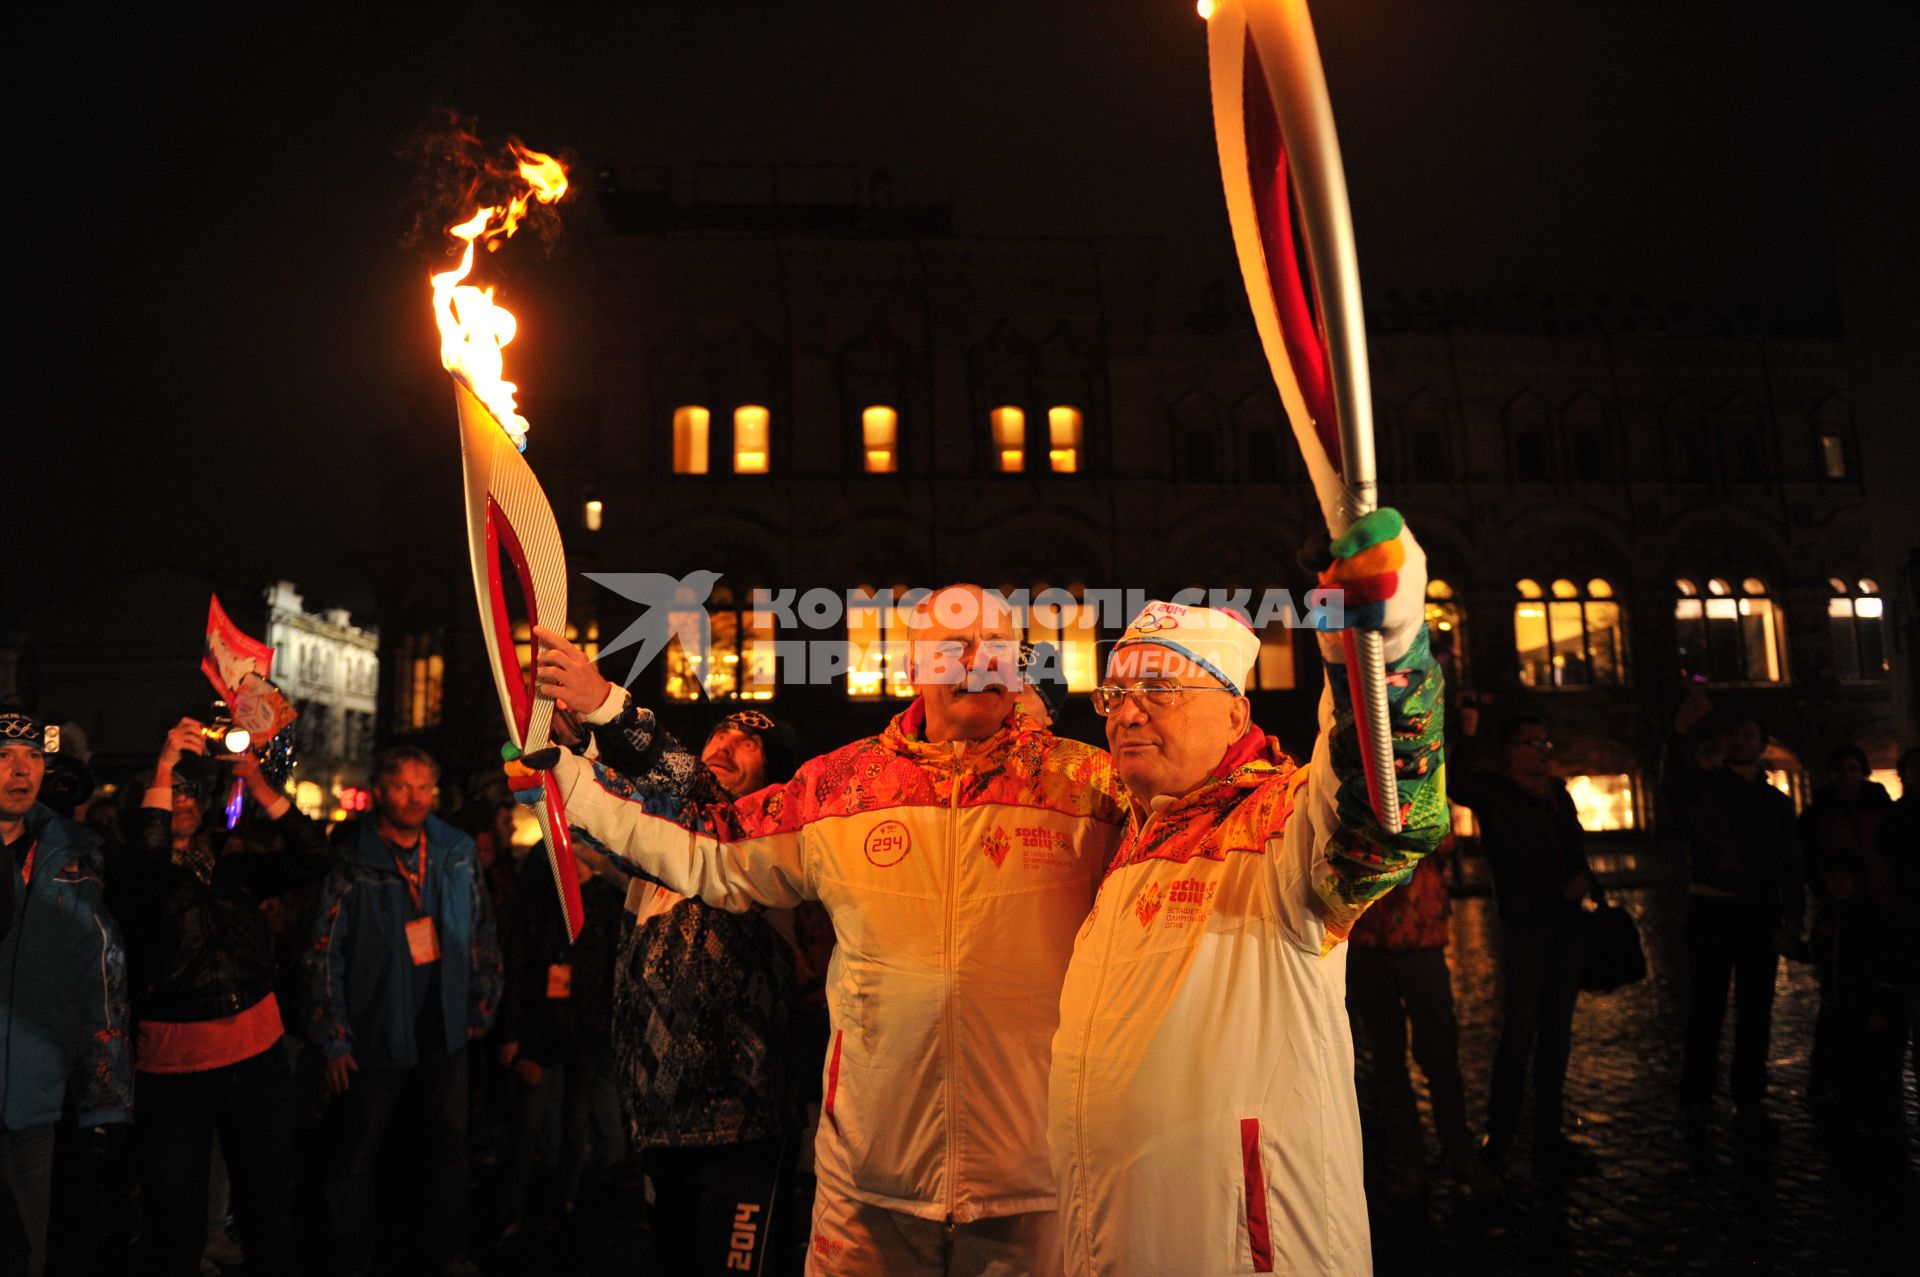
[(889, 1100)]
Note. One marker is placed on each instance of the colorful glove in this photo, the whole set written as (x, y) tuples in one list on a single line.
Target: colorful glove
[(524, 771), (1382, 573)]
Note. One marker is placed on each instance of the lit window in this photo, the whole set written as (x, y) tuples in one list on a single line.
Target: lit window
[(1063, 439), (690, 439), (1446, 626), (880, 439), (1603, 802), (1009, 439), (751, 424), (596, 511), (1575, 639), (878, 643), (1833, 456), (1890, 778), (1730, 636), (738, 660), (1273, 669), (1856, 630), (1059, 617), (589, 645), (418, 691)]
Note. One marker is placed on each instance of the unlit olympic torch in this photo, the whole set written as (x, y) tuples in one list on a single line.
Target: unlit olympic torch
[(1287, 200), (507, 511)]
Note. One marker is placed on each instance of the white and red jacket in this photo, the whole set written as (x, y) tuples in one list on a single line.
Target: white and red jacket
[(956, 875), (1202, 1115)]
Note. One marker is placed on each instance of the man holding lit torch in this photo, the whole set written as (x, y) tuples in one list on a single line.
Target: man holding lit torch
[(1202, 1114), (956, 853)]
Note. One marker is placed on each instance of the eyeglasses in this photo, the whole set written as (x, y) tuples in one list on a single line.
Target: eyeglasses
[(1157, 695), (954, 651)]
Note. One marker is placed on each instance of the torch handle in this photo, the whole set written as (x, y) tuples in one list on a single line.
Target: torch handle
[(1367, 685)]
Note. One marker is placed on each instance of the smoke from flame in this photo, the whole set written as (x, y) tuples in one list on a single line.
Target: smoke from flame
[(474, 330)]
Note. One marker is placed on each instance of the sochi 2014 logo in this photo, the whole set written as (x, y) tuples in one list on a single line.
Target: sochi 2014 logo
[(997, 845), (888, 843), (1148, 905)]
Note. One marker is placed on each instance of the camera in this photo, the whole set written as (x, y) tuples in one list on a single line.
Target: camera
[(223, 738)]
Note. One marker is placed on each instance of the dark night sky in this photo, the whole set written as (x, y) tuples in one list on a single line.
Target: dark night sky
[(207, 212)]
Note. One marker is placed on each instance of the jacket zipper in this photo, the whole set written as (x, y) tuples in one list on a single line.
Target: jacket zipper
[(953, 863), (1086, 1054)]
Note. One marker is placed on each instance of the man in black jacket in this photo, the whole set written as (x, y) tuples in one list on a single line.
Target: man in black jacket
[(207, 1023), (1747, 906), (1534, 845)]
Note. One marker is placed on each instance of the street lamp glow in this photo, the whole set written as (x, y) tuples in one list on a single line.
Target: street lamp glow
[(1205, 8)]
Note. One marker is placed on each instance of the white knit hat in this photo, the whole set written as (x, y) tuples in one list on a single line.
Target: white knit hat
[(1220, 643)]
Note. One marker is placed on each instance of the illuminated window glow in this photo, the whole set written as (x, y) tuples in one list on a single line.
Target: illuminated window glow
[(1446, 625), (1603, 802), (1729, 636), (1064, 428), (1856, 630), (751, 427), (1072, 628), (596, 513), (1575, 639), (879, 439), (878, 645), (690, 439), (738, 660), (1833, 456), (1009, 439)]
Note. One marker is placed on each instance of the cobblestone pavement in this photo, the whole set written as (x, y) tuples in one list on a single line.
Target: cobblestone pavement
[(1656, 1205)]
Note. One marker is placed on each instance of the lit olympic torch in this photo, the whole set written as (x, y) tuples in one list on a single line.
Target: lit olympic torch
[(1287, 200), (506, 508)]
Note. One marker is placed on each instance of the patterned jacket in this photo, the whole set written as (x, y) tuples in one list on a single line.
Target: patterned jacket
[(63, 986), (955, 875), (1202, 1114), (703, 998), (360, 977)]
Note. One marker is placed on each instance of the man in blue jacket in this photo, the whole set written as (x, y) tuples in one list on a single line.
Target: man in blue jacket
[(63, 987), (404, 970)]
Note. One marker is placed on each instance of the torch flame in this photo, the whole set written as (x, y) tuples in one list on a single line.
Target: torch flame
[(474, 331)]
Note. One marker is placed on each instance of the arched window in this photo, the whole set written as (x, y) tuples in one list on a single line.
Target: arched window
[(878, 644), (1009, 439), (1447, 627), (1729, 630), (880, 439), (752, 431), (1569, 635), (1060, 616), (690, 422), (1856, 620), (736, 662), (1065, 428)]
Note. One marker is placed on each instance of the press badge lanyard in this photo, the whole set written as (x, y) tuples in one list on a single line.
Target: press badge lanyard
[(417, 880), (423, 942)]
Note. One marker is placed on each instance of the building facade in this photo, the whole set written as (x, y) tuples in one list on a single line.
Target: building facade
[(330, 669), (1617, 503)]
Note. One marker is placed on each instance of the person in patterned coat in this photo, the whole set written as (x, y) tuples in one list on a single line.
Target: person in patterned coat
[(702, 1017)]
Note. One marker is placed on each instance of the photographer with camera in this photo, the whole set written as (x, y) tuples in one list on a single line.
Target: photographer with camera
[(207, 1024), (63, 995)]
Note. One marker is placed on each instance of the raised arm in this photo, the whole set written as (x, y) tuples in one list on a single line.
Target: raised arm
[(1352, 860), (732, 856)]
